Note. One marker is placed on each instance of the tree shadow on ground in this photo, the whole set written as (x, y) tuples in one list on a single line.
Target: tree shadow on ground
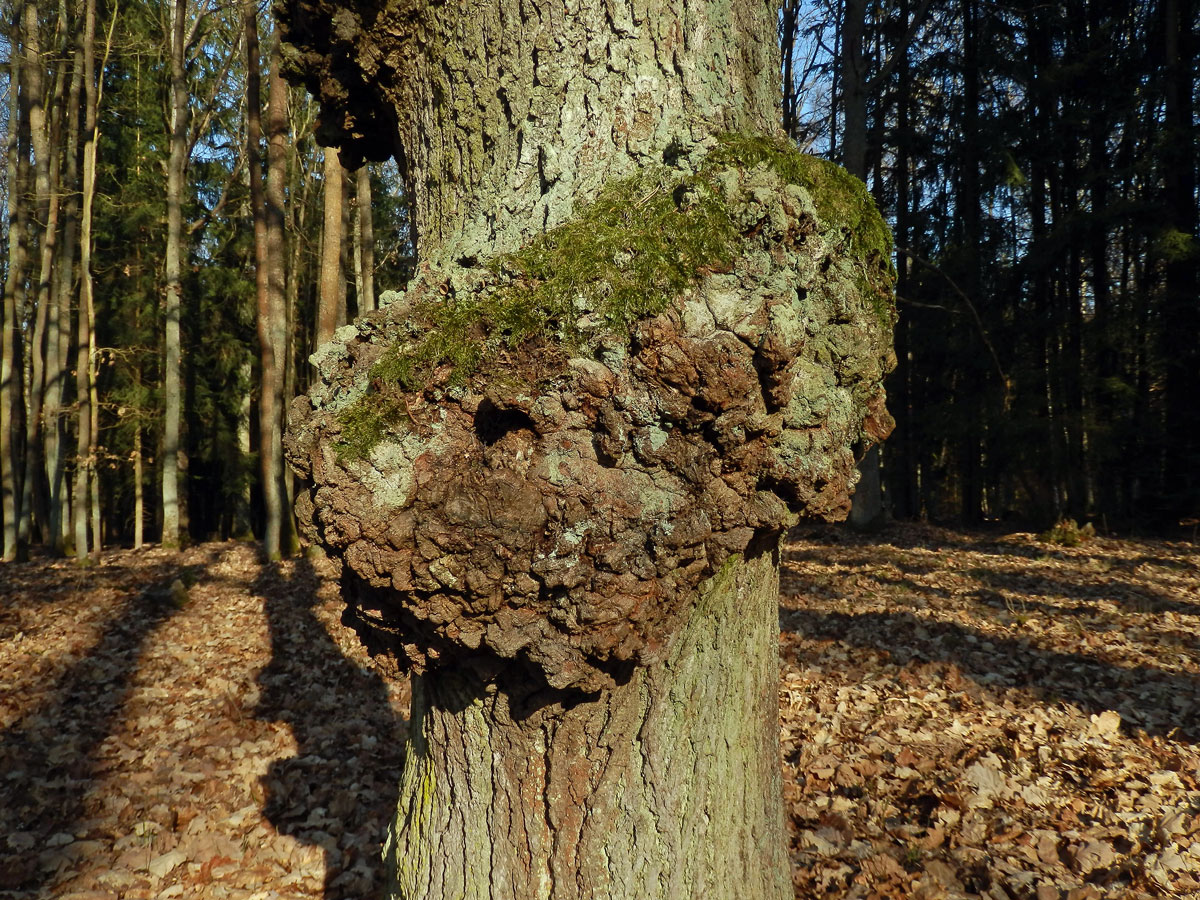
[(870, 558), (1135, 596), (339, 791), (905, 536), (49, 757), (1112, 582), (1163, 703)]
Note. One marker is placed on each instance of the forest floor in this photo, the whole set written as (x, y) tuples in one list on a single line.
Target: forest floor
[(963, 715)]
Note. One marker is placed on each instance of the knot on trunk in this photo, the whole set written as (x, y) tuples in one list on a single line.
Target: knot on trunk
[(541, 459)]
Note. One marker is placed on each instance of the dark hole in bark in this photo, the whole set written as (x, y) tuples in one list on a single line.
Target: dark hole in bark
[(603, 457), (493, 423), (365, 619), (780, 489), (765, 540)]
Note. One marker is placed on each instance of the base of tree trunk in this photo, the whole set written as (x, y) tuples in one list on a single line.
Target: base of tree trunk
[(667, 786), (867, 512)]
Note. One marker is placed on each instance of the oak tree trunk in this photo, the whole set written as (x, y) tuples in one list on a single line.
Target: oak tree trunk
[(666, 786), (587, 593)]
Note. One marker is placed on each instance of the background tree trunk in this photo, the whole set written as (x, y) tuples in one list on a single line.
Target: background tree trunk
[(176, 163), (329, 301), (64, 283), (364, 242), (1182, 306), (268, 453), (10, 326), (278, 314), (45, 202)]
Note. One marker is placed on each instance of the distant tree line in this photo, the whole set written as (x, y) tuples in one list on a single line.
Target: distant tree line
[(175, 245), (1038, 164)]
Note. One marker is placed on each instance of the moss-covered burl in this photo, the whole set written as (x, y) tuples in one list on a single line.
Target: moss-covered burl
[(540, 459)]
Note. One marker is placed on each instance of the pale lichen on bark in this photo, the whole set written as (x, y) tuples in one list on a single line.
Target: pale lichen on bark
[(508, 114)]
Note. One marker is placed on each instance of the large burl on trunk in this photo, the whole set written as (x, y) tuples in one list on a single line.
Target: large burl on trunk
[(644, 337)]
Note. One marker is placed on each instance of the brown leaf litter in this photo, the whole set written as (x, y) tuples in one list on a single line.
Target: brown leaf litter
[(991, 716), (963, 715)]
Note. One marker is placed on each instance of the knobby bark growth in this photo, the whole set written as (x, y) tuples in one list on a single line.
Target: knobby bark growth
[(644, 337)]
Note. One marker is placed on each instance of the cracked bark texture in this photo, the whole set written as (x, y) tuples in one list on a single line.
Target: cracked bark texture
[(509, 113), (574, 547)]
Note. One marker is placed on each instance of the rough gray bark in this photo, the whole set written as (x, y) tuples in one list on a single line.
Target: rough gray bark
[(509, 115), (666, 786), (571, 541)]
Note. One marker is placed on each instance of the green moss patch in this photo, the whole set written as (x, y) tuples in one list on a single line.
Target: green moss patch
[(366, 423), (628, 255)]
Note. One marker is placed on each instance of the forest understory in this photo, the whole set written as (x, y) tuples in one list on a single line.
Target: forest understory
[(963, 715)]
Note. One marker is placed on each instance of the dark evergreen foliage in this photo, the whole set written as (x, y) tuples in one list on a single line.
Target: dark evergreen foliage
[(1038, 164)]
